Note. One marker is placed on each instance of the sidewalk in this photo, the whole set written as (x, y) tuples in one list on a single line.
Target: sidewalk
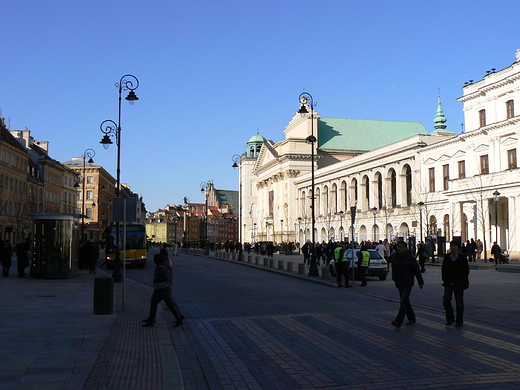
[(52, 340)]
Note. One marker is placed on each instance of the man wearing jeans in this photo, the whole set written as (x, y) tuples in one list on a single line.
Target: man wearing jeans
[(404, 269), (455, 279)]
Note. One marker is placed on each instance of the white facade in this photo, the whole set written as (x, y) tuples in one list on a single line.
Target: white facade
[(472, 183), (468, 185)]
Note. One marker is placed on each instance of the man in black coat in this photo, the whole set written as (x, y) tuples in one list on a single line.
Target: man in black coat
[(404, 269), (455, 279)]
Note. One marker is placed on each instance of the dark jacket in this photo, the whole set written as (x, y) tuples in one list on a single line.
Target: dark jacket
[(456, 271), (404, 269), (163, 273)]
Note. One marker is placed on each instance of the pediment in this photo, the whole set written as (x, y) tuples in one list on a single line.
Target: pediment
[(444, 157), (459, 154), (509, 141), (430, 161), (482, 148)]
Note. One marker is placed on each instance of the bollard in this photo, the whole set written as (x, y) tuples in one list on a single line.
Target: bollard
[(271, 263), (280, 265), (325, 272), (103, 295), (249, 258), (290, 266), (301, 269), (266, 262), (257, 260)]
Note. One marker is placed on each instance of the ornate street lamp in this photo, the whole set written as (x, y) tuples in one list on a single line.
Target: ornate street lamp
[(421, 205), (89, 153), (374, 210), (306, 100), (236, 160), (127, 83), (204, 187)]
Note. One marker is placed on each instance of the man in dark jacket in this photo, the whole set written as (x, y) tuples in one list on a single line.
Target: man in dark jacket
[(455, 279), (163, 291), (404, 268)]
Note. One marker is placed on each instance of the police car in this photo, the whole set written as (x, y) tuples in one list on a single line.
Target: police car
[(377, 267)]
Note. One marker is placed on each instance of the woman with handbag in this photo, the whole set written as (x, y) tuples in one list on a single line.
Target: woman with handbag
[(162, 282)]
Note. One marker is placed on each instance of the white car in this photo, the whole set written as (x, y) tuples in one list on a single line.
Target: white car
[(377, 267)]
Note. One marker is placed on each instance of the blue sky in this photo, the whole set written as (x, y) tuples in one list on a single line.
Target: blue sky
[(213, 73)]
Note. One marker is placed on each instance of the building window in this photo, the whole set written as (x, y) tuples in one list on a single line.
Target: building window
[(462, 169), (89, 213), (431, 177), (90, 180), (484, 164), (482, 117), (89, 194), (510, 109), (511, 159), (445, 176)]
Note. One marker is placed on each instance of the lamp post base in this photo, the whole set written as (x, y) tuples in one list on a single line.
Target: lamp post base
[(313, 268)]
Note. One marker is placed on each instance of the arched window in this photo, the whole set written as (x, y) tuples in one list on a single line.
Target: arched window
[(379, 179), (393, 187), (433, 225), (354, 191), (446, 223), (366, 193), (326, 207), (408, 184), (317, 203), (334, 198)]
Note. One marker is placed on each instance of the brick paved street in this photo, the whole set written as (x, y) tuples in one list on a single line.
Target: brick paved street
[(251, 329)]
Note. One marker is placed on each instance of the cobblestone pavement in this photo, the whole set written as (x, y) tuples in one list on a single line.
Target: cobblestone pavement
[(249, 329)]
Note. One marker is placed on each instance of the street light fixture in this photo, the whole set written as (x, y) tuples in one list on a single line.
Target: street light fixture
[(374, 210), (110, 128), (204, 187), (341, 225), (306, 100), (89, 153), (421, 205), (236, 160)]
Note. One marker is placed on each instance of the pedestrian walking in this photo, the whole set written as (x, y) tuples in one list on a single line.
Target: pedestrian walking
[(22, 260), (5, 257), (306, 250), (341, 265), (363, 262), (496, 251), (422, 255), (455, 279), (404, 269), (162, 292), (92, 253)]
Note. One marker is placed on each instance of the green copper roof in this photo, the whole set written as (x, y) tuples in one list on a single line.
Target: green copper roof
[(228, 197), (256, 138), (362, 135)]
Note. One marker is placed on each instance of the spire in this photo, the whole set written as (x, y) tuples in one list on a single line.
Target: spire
[(440, 119)]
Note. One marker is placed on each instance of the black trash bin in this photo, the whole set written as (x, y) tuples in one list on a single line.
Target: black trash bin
[(103, 295)]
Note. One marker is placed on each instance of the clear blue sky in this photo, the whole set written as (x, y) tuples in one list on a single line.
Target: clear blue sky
[(213, 73)]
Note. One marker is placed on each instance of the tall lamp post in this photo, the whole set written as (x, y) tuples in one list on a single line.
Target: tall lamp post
[(496, 195), (110, 128), (421, 205), (353, 210), (374, 210), (306, 100), (236, 160), (342, 237), (204, 187), (89, 153)]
